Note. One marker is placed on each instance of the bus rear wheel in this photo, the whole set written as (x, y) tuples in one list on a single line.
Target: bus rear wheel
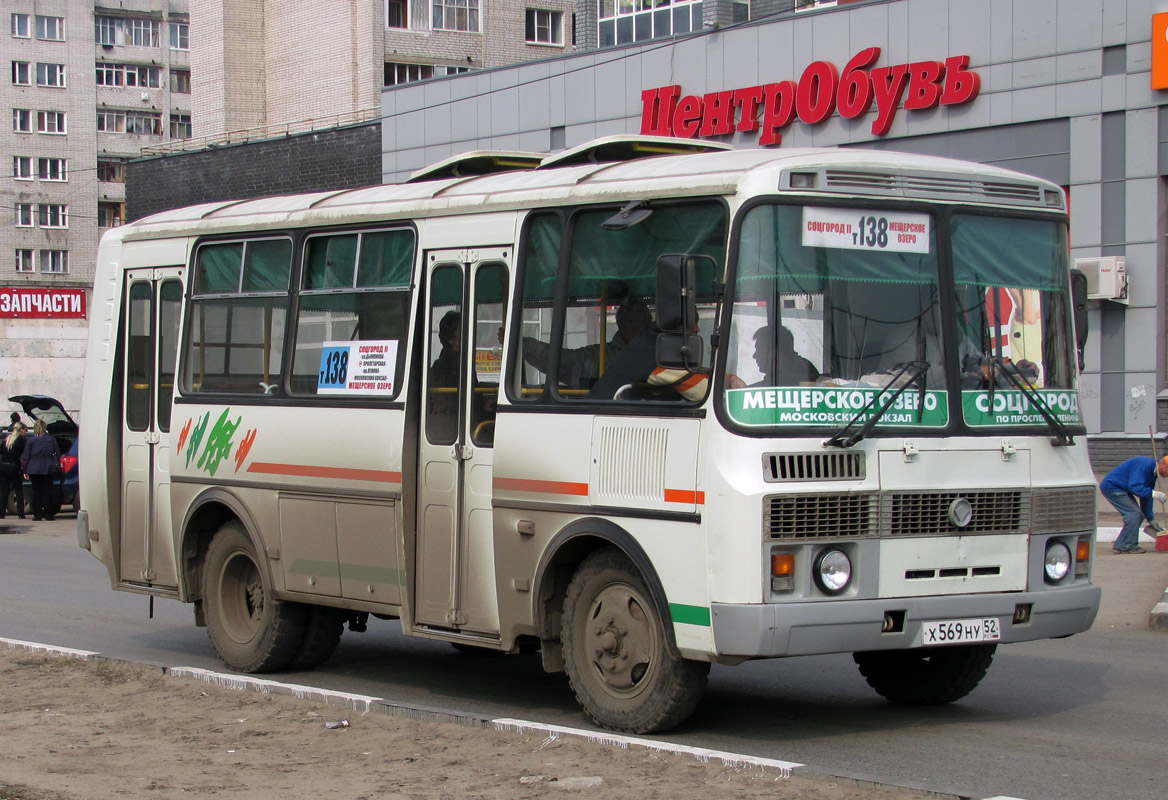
[(250, 630), (926, 677), (323, 627), (616, 653)]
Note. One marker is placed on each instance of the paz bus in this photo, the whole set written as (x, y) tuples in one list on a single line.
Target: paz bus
[(645, 406)]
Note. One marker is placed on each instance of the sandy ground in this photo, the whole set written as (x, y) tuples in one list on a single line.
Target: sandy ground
[(78, 730)]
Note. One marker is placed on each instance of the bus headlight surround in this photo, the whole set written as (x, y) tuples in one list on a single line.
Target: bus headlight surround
[(1057, 563), (832, 571)]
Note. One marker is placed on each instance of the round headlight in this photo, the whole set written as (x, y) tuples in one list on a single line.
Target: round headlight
[(833, 571), (1058, 561)]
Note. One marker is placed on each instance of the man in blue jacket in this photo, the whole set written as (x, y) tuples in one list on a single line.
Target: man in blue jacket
[(1131, 488)]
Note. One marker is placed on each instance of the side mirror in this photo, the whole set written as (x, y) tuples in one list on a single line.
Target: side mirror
[(677, 310), (1079, 311), (679, 351)]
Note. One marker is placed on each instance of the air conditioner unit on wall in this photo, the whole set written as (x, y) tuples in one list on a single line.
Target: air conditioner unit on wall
[(1106, 277)]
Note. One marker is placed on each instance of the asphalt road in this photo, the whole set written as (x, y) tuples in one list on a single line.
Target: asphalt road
[(1076, 718)]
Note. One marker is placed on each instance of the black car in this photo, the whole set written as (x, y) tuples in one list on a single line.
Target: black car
[(58, 422)]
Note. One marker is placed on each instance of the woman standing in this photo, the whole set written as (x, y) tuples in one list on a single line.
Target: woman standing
[(39, 457), (11, 448)]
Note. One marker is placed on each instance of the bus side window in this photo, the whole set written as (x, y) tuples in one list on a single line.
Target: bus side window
[(490, 311), (540, 258), (235, 339)]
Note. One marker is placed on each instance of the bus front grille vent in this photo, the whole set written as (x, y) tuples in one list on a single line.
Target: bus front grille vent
[(788, 467), (819, 516), (1063, 509), (927, 513)]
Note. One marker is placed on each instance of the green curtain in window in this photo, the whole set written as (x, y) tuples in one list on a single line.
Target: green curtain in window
[(542, 259), (387, 259), (603, 258), (330, 262), (267, 265), (217, 268), (772, 241), (997, 251)]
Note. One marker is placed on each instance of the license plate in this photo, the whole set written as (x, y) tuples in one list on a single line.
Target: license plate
[(953, 631)]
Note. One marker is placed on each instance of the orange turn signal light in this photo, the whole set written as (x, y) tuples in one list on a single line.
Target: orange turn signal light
[(1083, 550), (782, 564)]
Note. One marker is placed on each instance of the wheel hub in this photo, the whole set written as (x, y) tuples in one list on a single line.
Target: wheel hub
[(620, 639)]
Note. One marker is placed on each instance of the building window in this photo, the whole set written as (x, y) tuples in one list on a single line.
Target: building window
[(180, 126), (409, 73), (24, 261), (396, 74), (397, 14), (50, 75), (55, 261), (129, 75), (110, 75), (20, 26), (51, 122), (21, 73), (50, 28), (22, 168), (180, 36), (143, 123), (108, 31), (23, 215), (144, 77), (180, 81), (545, 27), (625, 21), (21, 120), (53, 215), (807, 5), (109, 171), (53, 169), (110, 215), (144, 32), (456, 15)]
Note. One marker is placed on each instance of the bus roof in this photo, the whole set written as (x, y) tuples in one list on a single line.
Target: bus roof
[(840, 171)]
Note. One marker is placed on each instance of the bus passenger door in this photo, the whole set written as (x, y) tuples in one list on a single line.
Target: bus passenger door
[(150, 317), (455, 569)]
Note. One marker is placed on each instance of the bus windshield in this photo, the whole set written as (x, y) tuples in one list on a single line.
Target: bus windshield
[(846, 304)]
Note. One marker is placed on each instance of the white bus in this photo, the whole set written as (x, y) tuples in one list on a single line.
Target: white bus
[(645, 405)]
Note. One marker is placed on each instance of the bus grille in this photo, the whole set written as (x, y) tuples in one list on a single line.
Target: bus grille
[(927, 513), (791, 516), (911, 185), (783, 467), (1063, 509)]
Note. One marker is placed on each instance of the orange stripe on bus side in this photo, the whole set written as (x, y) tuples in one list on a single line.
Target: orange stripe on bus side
[(307, 471), (685, 496), (542, 487)]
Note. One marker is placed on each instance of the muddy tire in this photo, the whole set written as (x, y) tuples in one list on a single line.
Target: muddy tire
[(323, 627), (250, 630), (926, 677), (616, 653)]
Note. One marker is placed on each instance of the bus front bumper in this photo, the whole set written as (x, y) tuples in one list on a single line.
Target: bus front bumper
[(844, 626)]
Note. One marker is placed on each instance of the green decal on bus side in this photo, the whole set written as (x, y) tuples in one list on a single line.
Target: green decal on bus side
[(690, 615)]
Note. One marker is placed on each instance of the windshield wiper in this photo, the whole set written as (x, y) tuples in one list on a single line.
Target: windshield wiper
[(1062, 437), (917, 368)]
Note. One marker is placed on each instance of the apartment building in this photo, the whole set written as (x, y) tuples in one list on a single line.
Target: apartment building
[(263, 65), (87, 87)]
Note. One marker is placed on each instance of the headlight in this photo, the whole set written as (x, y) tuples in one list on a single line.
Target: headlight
[(1058, 561), (833, 571)]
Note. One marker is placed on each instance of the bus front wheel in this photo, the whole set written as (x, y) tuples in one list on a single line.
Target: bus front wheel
[(926, 677), (250, 630), (616, 653)]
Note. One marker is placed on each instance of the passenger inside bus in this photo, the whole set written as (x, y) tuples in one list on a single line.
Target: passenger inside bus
[(442, 417), (580, 366)]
